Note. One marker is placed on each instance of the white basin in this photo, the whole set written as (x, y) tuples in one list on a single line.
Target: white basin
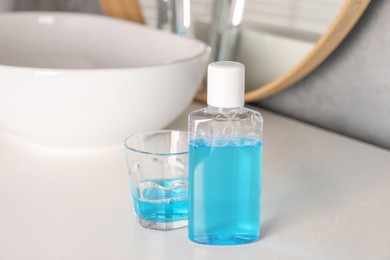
[(83, 82)]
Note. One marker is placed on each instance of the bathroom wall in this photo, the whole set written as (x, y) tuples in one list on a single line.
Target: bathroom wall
[(305, 15), (6, 5), (89, 6), (350, 92)]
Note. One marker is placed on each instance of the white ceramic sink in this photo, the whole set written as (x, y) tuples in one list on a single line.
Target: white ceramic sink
[(84, 82)]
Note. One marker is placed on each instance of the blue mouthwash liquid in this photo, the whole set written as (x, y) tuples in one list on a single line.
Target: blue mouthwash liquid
[(224, 192), (162, 200)]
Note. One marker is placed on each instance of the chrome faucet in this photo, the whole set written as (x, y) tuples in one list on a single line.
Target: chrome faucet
[(224, 30), (174, 16)]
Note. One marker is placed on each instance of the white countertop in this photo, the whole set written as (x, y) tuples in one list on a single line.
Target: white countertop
[(324, 196)]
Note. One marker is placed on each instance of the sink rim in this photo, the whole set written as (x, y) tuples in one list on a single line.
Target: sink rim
[(201, 47)]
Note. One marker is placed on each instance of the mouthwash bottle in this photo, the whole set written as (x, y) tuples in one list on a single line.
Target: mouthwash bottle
[(225, 161)]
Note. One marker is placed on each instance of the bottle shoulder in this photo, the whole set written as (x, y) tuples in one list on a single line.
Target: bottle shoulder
[(211, 113), (220, 126), (198, 113)]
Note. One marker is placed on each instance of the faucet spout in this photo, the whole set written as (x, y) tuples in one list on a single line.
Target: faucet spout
[(174, 16), (224, 31)]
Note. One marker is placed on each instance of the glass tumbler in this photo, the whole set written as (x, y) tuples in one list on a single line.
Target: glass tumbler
[(157, 164)]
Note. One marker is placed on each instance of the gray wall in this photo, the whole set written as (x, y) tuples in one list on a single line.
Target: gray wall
[(89, 6), (350, 92)]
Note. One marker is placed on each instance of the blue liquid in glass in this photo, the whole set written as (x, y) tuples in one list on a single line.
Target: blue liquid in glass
[(162, 200), (224, 192)]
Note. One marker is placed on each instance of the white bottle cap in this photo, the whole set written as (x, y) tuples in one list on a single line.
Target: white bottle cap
[(226, 84)]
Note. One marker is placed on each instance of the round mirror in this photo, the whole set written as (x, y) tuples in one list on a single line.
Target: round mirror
[(282, 41), (279, 41)]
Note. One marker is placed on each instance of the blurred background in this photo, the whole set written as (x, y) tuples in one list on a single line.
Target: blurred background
[(349, 93)]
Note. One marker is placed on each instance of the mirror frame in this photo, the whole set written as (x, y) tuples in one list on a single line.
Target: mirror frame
[(345, 20)]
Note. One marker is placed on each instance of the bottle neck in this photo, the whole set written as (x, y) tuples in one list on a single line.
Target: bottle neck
[(224, 110)]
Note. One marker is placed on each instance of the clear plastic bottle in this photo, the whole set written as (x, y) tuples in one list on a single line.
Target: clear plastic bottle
[(225, 161)]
